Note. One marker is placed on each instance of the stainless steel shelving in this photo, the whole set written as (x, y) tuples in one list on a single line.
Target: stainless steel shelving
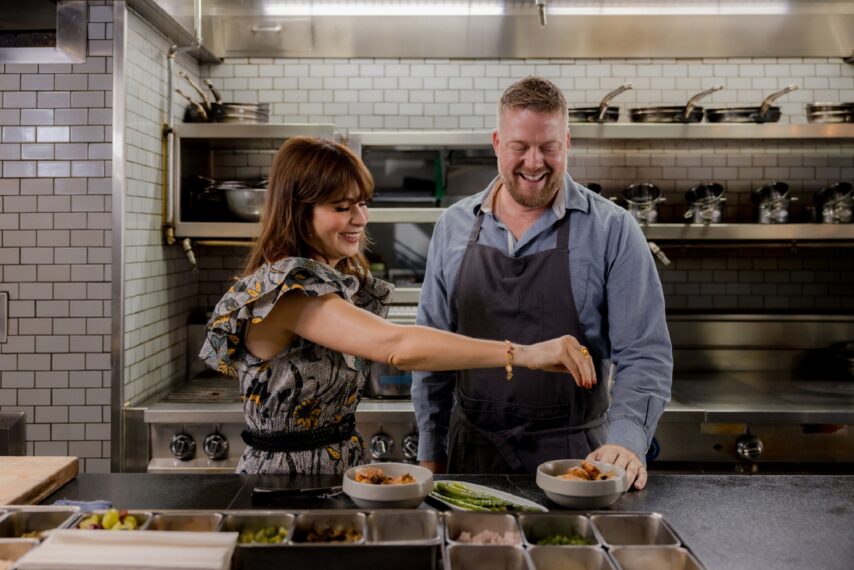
[(262, 131), (721, 131)]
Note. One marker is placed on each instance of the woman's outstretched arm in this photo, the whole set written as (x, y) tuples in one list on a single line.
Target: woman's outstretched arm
[(332, 322)]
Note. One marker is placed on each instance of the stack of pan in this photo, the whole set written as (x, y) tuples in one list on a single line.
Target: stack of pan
[(830, 112), (219, 112)]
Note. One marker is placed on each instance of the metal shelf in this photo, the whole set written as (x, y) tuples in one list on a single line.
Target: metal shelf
[(658, 232), (260, 131), (483, 138)]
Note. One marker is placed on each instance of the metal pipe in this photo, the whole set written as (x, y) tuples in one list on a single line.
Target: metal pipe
[(224, 243), (541, 11), (168, 130)]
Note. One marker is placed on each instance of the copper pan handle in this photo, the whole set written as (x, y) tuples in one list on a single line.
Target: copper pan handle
[(205, 101), (603, 105)]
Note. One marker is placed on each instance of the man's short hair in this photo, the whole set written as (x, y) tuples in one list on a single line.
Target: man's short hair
[(534, 93)]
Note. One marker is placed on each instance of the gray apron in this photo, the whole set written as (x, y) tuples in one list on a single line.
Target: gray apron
[(511, 427)]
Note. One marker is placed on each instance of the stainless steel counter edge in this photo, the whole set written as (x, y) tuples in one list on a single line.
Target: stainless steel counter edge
[(392, 411)]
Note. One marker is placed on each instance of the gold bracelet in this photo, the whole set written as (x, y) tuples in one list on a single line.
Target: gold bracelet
[(508, 353)]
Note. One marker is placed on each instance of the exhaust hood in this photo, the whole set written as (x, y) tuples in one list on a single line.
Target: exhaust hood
[(512, 29), (46, 31)]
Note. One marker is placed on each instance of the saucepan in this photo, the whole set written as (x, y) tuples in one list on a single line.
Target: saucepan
[(834, 203), (764, 113), (386, 381), (688, 113), (601, 114), (705, 201), (830, 112)]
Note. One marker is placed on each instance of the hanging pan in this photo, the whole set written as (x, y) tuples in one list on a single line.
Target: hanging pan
[(689, 113), (601, 114), (830, 112), (764, 113)]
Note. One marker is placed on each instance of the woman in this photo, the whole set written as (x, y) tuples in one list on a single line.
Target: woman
[(301, 325)]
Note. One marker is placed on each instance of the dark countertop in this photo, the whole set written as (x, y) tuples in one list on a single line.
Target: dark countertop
[(729, 521)]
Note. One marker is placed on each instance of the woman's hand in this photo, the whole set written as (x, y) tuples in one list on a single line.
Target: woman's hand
[(562, 354)]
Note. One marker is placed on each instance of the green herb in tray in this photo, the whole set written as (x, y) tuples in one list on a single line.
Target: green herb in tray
[(464, 497), (565, 540)]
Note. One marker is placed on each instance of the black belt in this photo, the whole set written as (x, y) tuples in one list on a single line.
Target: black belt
[(302, 440)]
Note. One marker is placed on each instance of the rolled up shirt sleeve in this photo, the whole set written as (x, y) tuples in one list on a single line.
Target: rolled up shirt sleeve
[(640, 342), (433, 392)]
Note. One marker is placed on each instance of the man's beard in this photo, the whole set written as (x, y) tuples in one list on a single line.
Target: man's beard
[(537, 199)]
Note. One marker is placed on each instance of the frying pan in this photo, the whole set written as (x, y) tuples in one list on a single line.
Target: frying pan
[(195, 111), (601, 114), (229, 112), (764, 113), (830, 112), (689, 113)]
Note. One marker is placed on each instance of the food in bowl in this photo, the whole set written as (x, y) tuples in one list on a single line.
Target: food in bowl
[(406, 487), (376, 476), (586, 472), (585, 493)]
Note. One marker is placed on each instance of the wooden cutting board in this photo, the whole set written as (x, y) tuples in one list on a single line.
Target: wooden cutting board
[(28, 480)]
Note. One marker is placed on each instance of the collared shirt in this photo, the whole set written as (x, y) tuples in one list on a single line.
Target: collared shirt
[(617, 294)]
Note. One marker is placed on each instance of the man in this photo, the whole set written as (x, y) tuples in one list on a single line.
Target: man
[(535, 256)]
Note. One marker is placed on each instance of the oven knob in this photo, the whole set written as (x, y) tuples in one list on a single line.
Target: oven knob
[(410, 446), (749, 447), (183, 446), (381, 446), (216, 446)]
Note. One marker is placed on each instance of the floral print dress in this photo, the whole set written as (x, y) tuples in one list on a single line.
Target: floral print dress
[(304, 387)]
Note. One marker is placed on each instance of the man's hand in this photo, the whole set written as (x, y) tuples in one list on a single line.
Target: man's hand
[(625, 458), (436, 467)]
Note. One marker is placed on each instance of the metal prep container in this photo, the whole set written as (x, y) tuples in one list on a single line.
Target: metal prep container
[(418, 526), (25, 520), (11, 550), (634, 529), (457, 522), (143, 518), (658, 557), (185, 521), (537, 527), (321, 520), (255, 521), (477, 557), (578, 558)]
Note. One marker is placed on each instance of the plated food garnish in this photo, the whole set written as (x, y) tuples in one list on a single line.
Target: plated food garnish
[(376, 476), (587, 472)]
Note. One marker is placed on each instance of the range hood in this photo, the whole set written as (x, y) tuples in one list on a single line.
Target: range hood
[(513, 29), (46, 31)]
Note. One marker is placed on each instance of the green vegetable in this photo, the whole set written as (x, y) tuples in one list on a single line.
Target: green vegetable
[(464, 497), (565, 540), (266, 535)]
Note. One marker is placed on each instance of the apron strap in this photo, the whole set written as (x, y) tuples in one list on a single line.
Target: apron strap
[(475, 231), (563, 233)]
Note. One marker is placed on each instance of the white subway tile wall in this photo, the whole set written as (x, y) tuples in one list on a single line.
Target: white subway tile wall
[(159, 287), (55, 248)]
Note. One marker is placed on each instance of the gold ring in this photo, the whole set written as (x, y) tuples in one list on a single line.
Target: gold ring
[(584, 352)]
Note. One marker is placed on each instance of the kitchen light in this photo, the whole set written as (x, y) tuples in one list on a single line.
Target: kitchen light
[(384, 9), (699, 9)]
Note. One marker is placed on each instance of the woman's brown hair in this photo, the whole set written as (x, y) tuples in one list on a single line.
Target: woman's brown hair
[(307, 171)]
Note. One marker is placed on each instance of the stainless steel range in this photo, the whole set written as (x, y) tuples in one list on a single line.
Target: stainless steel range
[(749, 391)]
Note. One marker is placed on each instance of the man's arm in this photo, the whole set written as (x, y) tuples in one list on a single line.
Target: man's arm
[(433, 392), (640, 347)]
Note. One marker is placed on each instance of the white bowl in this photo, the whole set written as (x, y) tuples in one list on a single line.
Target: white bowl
[(406, 496), (580, 494)]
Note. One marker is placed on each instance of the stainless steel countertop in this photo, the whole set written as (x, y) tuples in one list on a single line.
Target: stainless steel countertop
[(768, 397)]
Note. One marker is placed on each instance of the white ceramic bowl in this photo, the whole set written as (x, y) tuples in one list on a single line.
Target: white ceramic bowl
[(406, 496), (580, 494)]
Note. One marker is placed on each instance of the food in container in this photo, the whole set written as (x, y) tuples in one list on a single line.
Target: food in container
[(112, 519), (330, 527), (557, 530), (33, 522), (482, 528), (398, 495), (580, 494), (579, 558)]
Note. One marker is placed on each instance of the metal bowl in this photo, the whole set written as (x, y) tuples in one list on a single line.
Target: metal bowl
[(246, 203)]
